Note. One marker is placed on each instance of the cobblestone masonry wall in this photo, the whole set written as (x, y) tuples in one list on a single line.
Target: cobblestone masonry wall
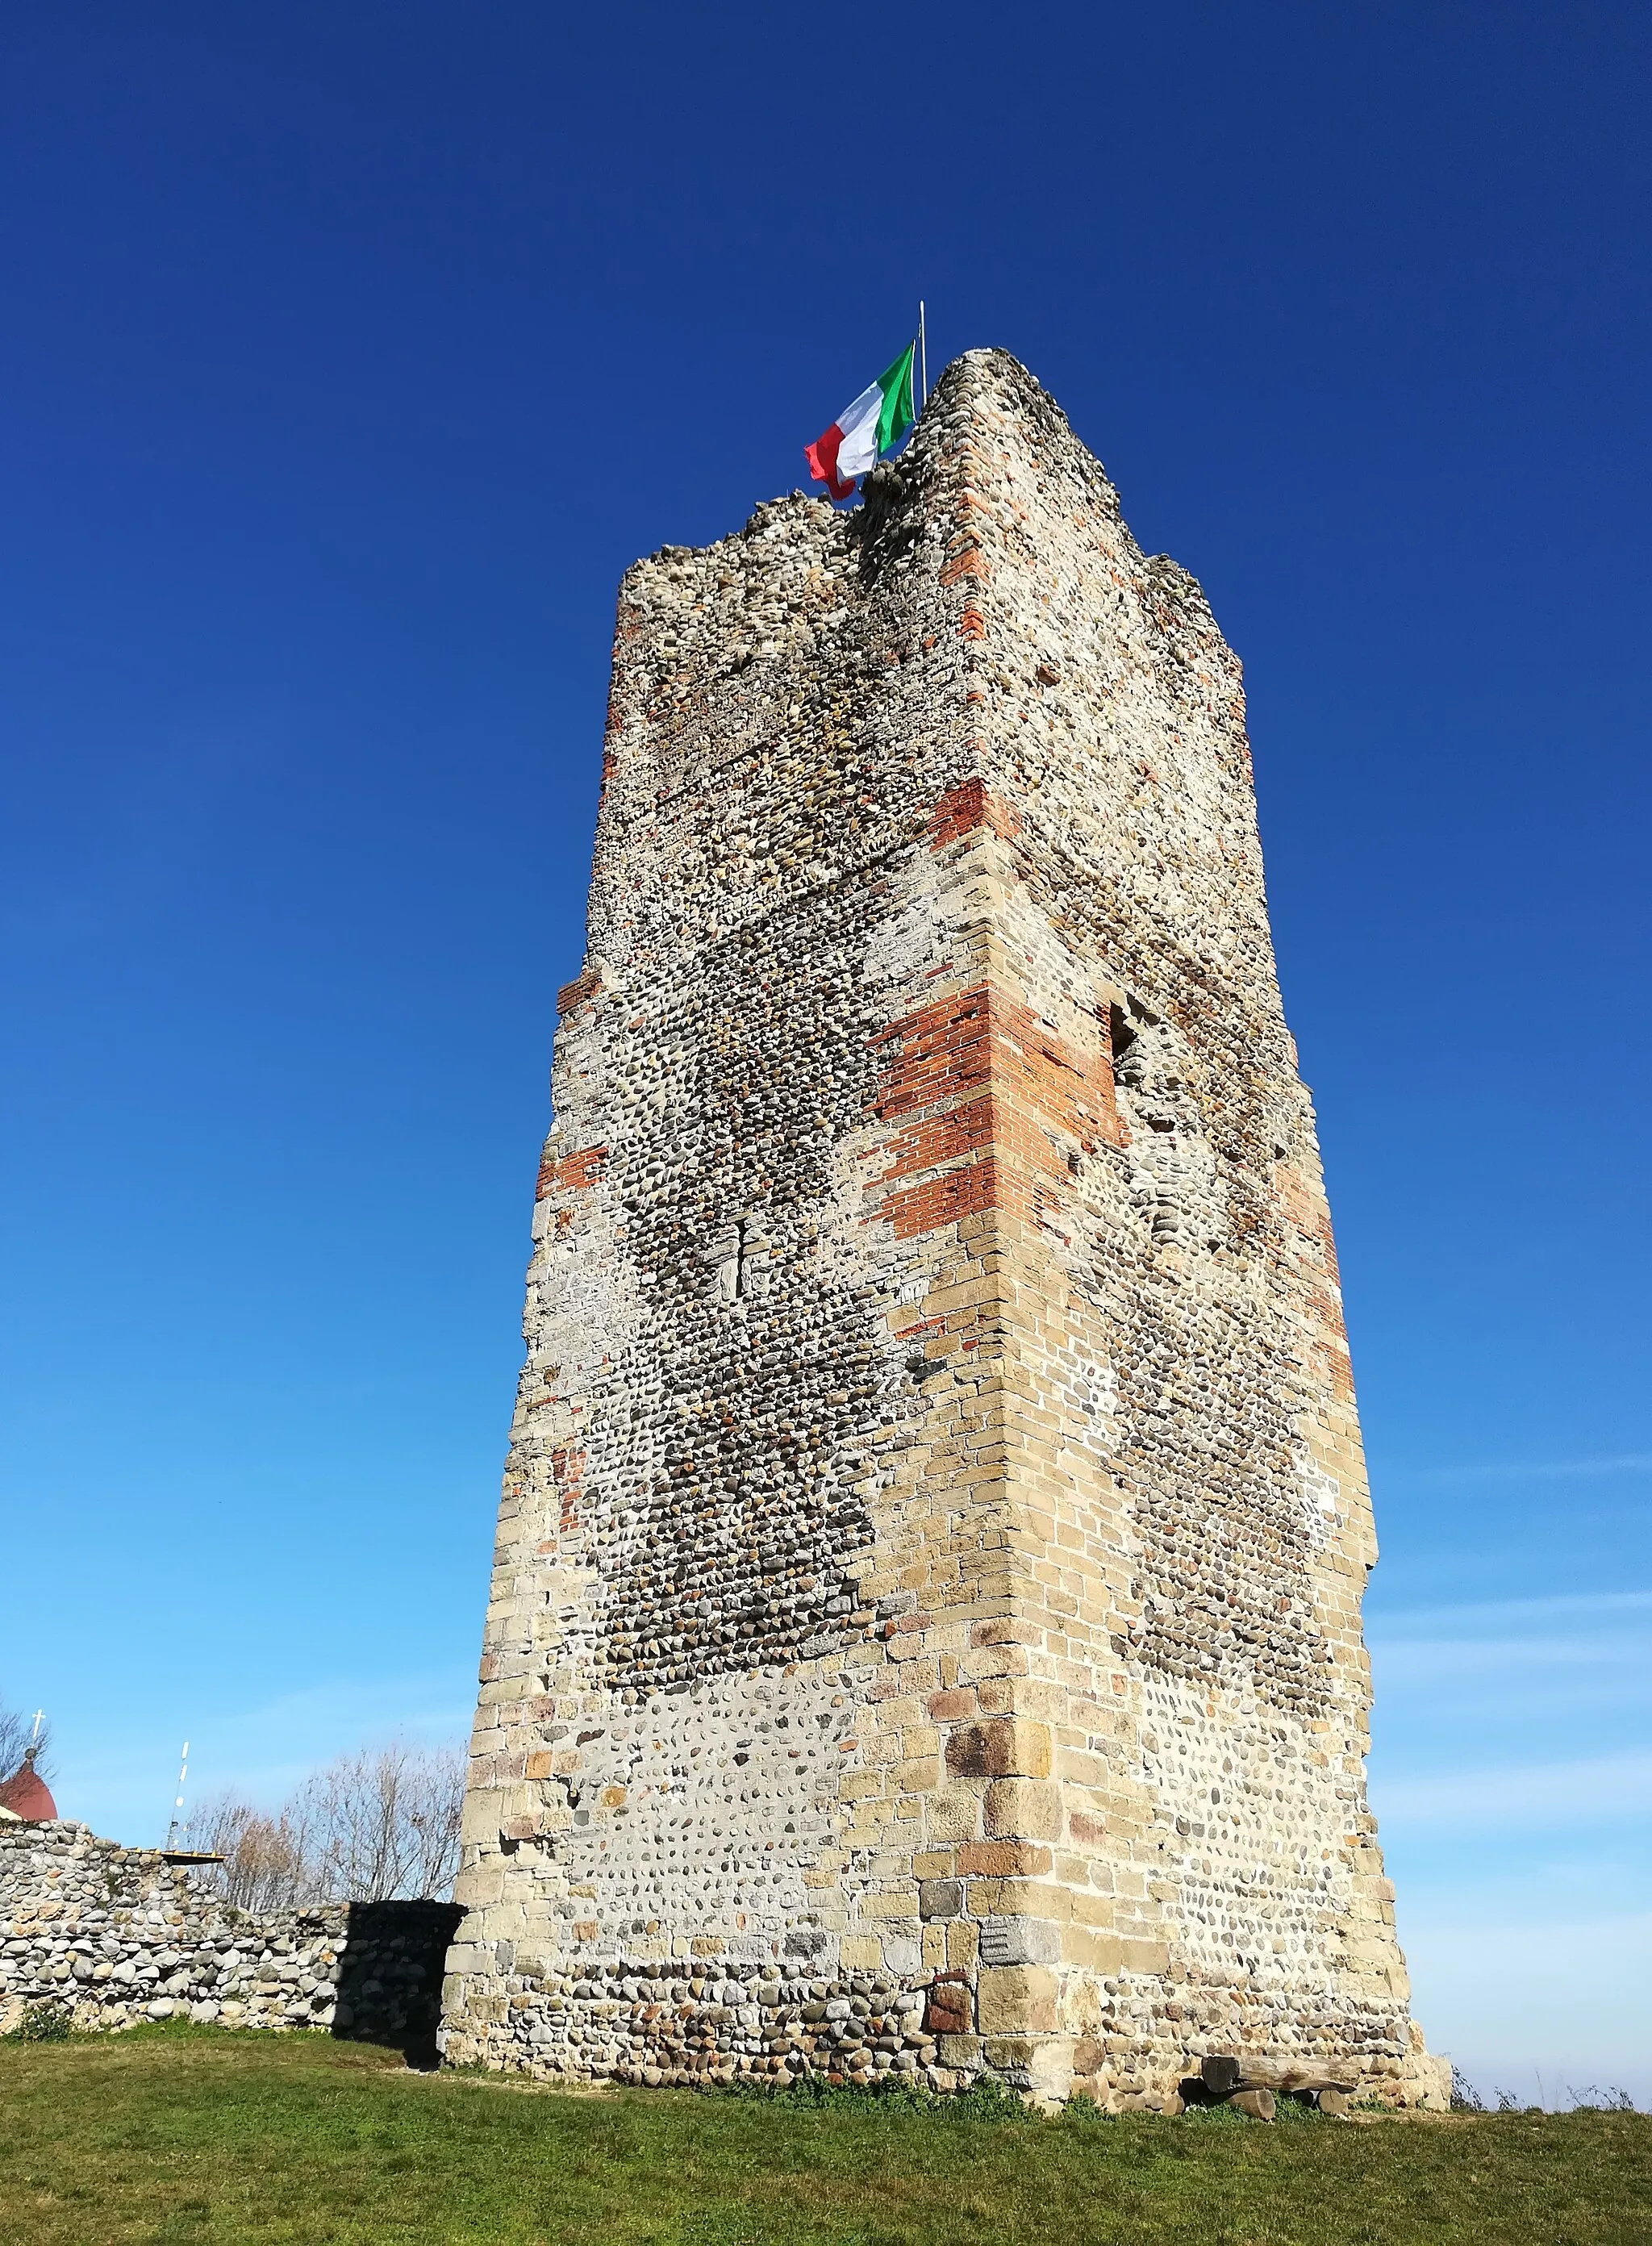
[(925, 1630), (117, 1936)]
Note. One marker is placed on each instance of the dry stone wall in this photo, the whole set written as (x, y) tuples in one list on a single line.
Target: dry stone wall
[(114, 1937), (924, 1634)]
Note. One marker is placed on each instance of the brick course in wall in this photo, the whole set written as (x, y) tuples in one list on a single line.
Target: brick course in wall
[(925, 1632)]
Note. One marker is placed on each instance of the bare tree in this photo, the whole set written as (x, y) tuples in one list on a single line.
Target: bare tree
[(380, 1823), (384, 1822), (17, 1735), (264, 1867)]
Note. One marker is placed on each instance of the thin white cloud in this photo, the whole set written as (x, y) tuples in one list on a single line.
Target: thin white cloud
[(1548, 1657), (1433, 1653), (1566, 1604), (123, 1786), (1594, 1789), (1560, 1671), (1627, 1462)]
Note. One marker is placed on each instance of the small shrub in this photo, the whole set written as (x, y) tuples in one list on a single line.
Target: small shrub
[(986, 2099), (44, 2024), (750, 2086), (1599, 2101), (1081, 2112), (881, 2091), (1216, 2115), (1465, 2098), (1287, 2107)]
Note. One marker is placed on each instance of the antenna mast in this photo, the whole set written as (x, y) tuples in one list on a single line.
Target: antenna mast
[(183, 1772)]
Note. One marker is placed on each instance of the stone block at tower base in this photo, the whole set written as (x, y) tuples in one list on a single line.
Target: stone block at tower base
[(925, 1630)]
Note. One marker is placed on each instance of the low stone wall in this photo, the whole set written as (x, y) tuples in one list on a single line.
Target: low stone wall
[(116, 1935), (701, 2020)]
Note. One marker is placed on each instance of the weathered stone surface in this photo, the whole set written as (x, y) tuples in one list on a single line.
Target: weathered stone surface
[(115, 1935), (936, 1464), (1029, 1808)]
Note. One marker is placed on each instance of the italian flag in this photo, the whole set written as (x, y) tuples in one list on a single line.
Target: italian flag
[(880, 417)]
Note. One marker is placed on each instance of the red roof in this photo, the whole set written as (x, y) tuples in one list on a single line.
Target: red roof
[(27, 1796)]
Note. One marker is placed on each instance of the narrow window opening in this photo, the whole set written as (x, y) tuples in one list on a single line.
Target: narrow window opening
[(740, 1257), (1127, 1055)]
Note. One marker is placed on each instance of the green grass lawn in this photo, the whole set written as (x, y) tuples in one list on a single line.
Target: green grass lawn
[(193, 2135)]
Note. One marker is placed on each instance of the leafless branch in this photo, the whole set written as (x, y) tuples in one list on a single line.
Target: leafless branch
[(385, 1822), (16, 1733), (264, 1867), (380, 1823)]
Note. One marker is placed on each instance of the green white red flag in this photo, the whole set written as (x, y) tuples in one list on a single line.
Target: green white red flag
[(864, 431)]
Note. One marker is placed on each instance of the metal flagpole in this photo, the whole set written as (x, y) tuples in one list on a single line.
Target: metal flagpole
[(923, 357), (183, 1771)]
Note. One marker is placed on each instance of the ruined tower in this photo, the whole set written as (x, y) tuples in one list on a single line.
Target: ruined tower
[(925, 1630)]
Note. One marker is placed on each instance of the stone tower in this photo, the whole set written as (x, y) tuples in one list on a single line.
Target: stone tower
[(925, 1627)]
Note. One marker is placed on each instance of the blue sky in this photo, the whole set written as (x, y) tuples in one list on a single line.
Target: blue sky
[(348, 354)]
